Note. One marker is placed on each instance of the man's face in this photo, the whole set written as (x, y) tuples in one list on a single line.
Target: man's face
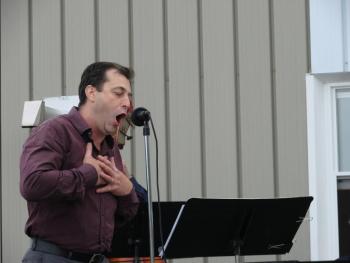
[(112, 102)]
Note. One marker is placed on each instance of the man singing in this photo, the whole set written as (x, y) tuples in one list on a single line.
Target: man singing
[(72, 174)]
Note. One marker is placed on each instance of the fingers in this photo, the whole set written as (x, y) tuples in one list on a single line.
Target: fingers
[(104, 159), (109, 162), (108, 179), (112, 161), (116, 181), (108, 173), (111, 184), (105, 189), (108, 169)]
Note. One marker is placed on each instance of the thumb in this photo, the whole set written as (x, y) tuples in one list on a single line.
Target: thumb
[(125, 170), (88, 151), (124, 166)]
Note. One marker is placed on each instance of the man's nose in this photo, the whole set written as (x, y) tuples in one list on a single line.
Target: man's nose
[(126, 102)]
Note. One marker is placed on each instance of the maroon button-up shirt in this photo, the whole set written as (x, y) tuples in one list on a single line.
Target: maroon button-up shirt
[(63, 205)]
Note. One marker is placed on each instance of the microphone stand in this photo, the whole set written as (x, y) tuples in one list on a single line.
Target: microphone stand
[(146, 133)]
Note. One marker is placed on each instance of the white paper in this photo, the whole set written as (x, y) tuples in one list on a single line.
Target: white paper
[(32, 112), (55, 106)]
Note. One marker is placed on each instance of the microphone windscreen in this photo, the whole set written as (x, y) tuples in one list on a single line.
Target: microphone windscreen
[(140, 116)]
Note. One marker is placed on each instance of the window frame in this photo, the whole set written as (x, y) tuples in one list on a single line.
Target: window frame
[(323, 163), (335, 88)]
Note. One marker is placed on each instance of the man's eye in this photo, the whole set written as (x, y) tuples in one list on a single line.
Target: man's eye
[(118, 93)]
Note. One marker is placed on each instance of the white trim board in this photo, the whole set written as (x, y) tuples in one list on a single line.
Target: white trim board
[(322, 180)]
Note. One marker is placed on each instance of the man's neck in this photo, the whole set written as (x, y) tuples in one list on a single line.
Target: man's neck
[(97, 137)]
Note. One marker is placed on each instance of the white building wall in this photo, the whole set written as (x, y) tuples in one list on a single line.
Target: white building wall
[(329, 35)]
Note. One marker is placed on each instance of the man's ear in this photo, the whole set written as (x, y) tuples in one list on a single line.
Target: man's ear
[(90, 92)]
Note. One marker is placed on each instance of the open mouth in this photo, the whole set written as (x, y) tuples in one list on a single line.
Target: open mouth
[(119, 117)]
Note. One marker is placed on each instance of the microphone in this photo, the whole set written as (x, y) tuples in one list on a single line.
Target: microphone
[(140, 116)]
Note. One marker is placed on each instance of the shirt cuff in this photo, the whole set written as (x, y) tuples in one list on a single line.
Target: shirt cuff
[(89, 174), (129, 198)]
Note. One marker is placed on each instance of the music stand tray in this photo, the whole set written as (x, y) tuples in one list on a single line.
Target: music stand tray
[(225, 227)]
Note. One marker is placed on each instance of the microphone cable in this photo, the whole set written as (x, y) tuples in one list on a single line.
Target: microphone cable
[(158, 195)]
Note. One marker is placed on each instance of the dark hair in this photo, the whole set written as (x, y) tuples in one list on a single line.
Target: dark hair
[(95, 75)]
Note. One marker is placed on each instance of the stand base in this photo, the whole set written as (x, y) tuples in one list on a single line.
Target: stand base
[(131, 260), (238, 259)]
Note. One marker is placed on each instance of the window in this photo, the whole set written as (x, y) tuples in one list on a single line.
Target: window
[(342, 165)]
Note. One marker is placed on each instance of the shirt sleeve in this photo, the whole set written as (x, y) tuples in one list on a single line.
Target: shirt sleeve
[(41, 176), (140, 191), (127, 207)]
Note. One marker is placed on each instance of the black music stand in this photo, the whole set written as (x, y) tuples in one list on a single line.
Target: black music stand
[(132, 239), (229, 227)]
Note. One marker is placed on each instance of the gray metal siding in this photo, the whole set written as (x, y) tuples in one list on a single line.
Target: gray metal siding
[(184, 101), (255, 98), (46, 48), (224, 80), (290, 51), (219, 71), (149, 88), (15, 83)]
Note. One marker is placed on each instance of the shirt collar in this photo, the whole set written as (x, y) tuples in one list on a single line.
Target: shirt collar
[(83, 128)]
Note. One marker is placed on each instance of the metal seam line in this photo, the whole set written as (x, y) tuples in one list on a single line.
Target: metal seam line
[(167, 97), (237, 101)]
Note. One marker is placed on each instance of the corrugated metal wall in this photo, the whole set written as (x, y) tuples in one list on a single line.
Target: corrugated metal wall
[(224, 80)]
